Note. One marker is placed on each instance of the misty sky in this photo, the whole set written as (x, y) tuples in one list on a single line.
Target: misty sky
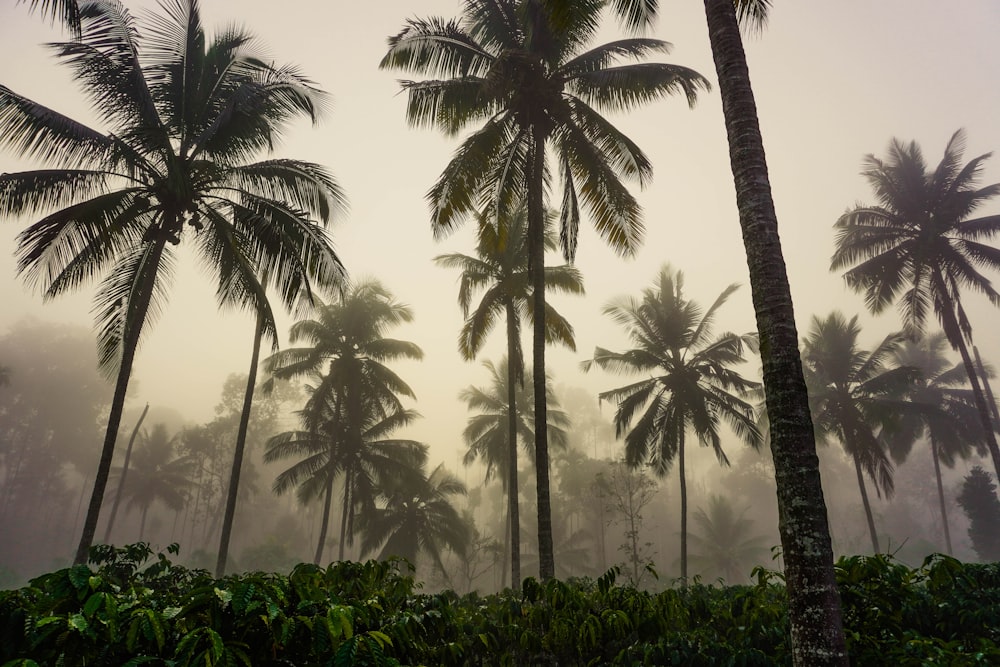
[(834, 81)]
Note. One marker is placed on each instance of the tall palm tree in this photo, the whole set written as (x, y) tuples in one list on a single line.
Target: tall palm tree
[(813, 600), (858, 398), (67, 12), (946, 411), (725, 542), (325, 453), (500, 271), (519, 67), (347, 349), (418, 517), (155, 475), (503, 416), (690, 381), (184, 117), (919, 246)]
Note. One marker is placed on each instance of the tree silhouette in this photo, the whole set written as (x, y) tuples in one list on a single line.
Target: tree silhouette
[(979, 501), (518, 67)]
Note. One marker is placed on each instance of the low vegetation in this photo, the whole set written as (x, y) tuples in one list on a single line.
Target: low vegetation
[(134, 607)]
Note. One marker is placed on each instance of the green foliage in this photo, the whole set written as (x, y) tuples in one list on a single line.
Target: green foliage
[(137, 608)]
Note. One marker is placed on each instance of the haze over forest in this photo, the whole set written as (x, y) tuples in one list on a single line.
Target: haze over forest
[(832, 86)]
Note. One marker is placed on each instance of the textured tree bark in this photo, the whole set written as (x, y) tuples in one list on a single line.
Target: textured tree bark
[(130, 340), (241, 441), (513, 509), (814, 603), (121, 482)]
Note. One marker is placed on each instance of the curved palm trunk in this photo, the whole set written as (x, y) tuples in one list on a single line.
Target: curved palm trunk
[(241, 441), (813, 600), (344, 516), (986, 387), (145, 292), (327, 501), (513, 507), (684, 513), (940, 489), (121, 482), (142, 523), (536, 265), (867, 504)]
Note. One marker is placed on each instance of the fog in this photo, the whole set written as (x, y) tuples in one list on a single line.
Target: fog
[(832, 85)]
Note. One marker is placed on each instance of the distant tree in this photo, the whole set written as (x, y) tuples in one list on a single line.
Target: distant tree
[(123, 476), (919, 246), (500, 271), (520, 68), (979, 501), (725, 542), (628, 492), (417, 517), (690, 381), (858, 398)]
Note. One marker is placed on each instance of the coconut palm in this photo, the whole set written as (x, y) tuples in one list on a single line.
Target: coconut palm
[(347, 349), (417, 517), (519, 67), (155, 475), (490, 436), (324, 454), (946, 411), (66, 12), (690, 382), (919, 246), (184, 117), (725, 542), (858, 398), (500, 271), (814, 603)]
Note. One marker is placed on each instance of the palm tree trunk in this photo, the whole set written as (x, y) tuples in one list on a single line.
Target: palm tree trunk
[(813, 601), (121, 482), (130, 340), (506, 551), (241, 441), (986, 386), (327, 501), (867, 505), (684, 512), (536, 265), (142, 523), (513, 508), (343, 516), (940, 489)]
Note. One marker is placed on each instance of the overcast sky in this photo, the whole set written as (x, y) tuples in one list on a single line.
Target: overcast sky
[(833, 83)]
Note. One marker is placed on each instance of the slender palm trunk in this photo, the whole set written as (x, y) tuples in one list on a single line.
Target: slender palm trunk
[(130, 340), (121, 482), (506, 551), (327, 501), (536, 264), (684, 512), (813, 600), (867, 504), (513, 507), (986, 386), (241, 441), (344, 515), (142, 522), (940, 489)]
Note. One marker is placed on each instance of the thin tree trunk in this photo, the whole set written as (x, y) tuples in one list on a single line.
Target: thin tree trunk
[(513, 506), (536, 264), (867, 505), (130, 340), (343, 516), (684, 512), (327, 501), (940, 489), (241, 441), (986, 386), (121, 482), (813, 600), (79, 504), (142, 523), (506, 551)]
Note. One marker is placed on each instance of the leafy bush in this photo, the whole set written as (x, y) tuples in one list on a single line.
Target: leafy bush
[(139, 608)]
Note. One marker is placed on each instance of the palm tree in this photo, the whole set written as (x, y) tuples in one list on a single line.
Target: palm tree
[(690, 381), (500, 271), (66, 12), (946, 412), (726, 542), (324, 453), (918, 245), (502, 417), (417, 517), (184, 116), (124, 474), (857, 398), (813, 600), (156, 475), (519, 67), (346, 348)]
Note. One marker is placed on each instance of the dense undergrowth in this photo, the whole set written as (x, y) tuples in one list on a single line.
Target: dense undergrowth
[(134, 608)]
